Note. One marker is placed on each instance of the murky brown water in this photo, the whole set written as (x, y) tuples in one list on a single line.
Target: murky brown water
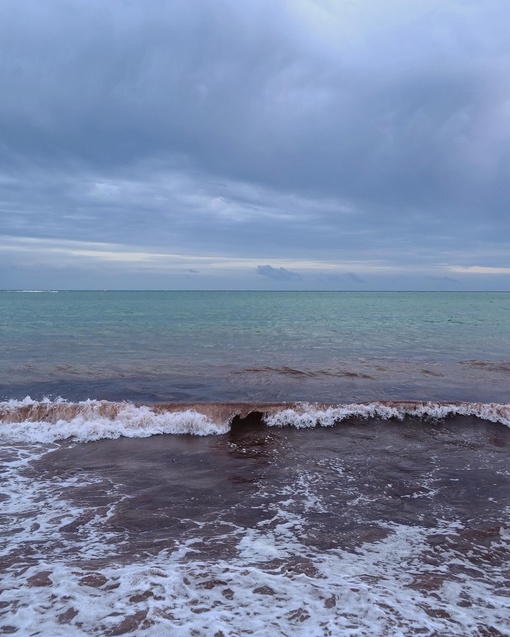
[(358, 476), (414, 513)]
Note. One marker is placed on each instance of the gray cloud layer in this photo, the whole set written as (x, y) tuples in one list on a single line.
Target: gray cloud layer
[(374, 136)]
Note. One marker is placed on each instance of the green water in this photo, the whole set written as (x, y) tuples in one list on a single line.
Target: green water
[(222, 336)]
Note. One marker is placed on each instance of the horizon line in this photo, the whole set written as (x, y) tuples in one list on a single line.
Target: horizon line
[(36, 290)]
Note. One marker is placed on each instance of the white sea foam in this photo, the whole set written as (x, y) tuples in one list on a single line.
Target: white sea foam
[(48, 420), (167, 596), (309, 415), (69, 583), (274, 584), (34, 511)]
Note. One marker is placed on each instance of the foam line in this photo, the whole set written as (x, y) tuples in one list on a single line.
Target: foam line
[(47, 421)]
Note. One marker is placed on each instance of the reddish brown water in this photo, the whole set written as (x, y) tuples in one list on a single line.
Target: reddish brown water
[(367, 527)]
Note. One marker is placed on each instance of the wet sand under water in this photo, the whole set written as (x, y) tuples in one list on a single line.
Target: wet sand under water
[(368, 527)]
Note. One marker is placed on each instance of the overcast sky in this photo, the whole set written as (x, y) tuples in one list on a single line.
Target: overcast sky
[(255, 144)]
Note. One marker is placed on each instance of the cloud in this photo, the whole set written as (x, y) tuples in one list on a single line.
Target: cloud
[(354, 277), (278, 274), (280, 132), (480, 269), (358, 116)]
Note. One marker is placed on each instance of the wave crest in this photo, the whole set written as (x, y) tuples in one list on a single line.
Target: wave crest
[(46, 421)]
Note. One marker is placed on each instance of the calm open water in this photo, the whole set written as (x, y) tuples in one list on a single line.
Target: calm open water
[(265, 346)]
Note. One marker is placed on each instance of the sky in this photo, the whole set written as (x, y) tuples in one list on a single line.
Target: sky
[(255, 144)]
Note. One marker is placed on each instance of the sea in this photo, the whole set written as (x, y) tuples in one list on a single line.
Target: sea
[(254, 463)]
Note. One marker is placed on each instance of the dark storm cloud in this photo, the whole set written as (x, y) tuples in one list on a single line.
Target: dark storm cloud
[(367, 132)]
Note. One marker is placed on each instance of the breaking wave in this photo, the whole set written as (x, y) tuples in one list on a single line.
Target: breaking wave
[(48, 420)]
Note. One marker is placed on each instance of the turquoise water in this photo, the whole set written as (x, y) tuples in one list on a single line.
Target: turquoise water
[(255, 345)]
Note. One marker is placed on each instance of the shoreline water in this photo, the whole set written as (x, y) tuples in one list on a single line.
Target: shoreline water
[(370, 526), (238, 464)]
